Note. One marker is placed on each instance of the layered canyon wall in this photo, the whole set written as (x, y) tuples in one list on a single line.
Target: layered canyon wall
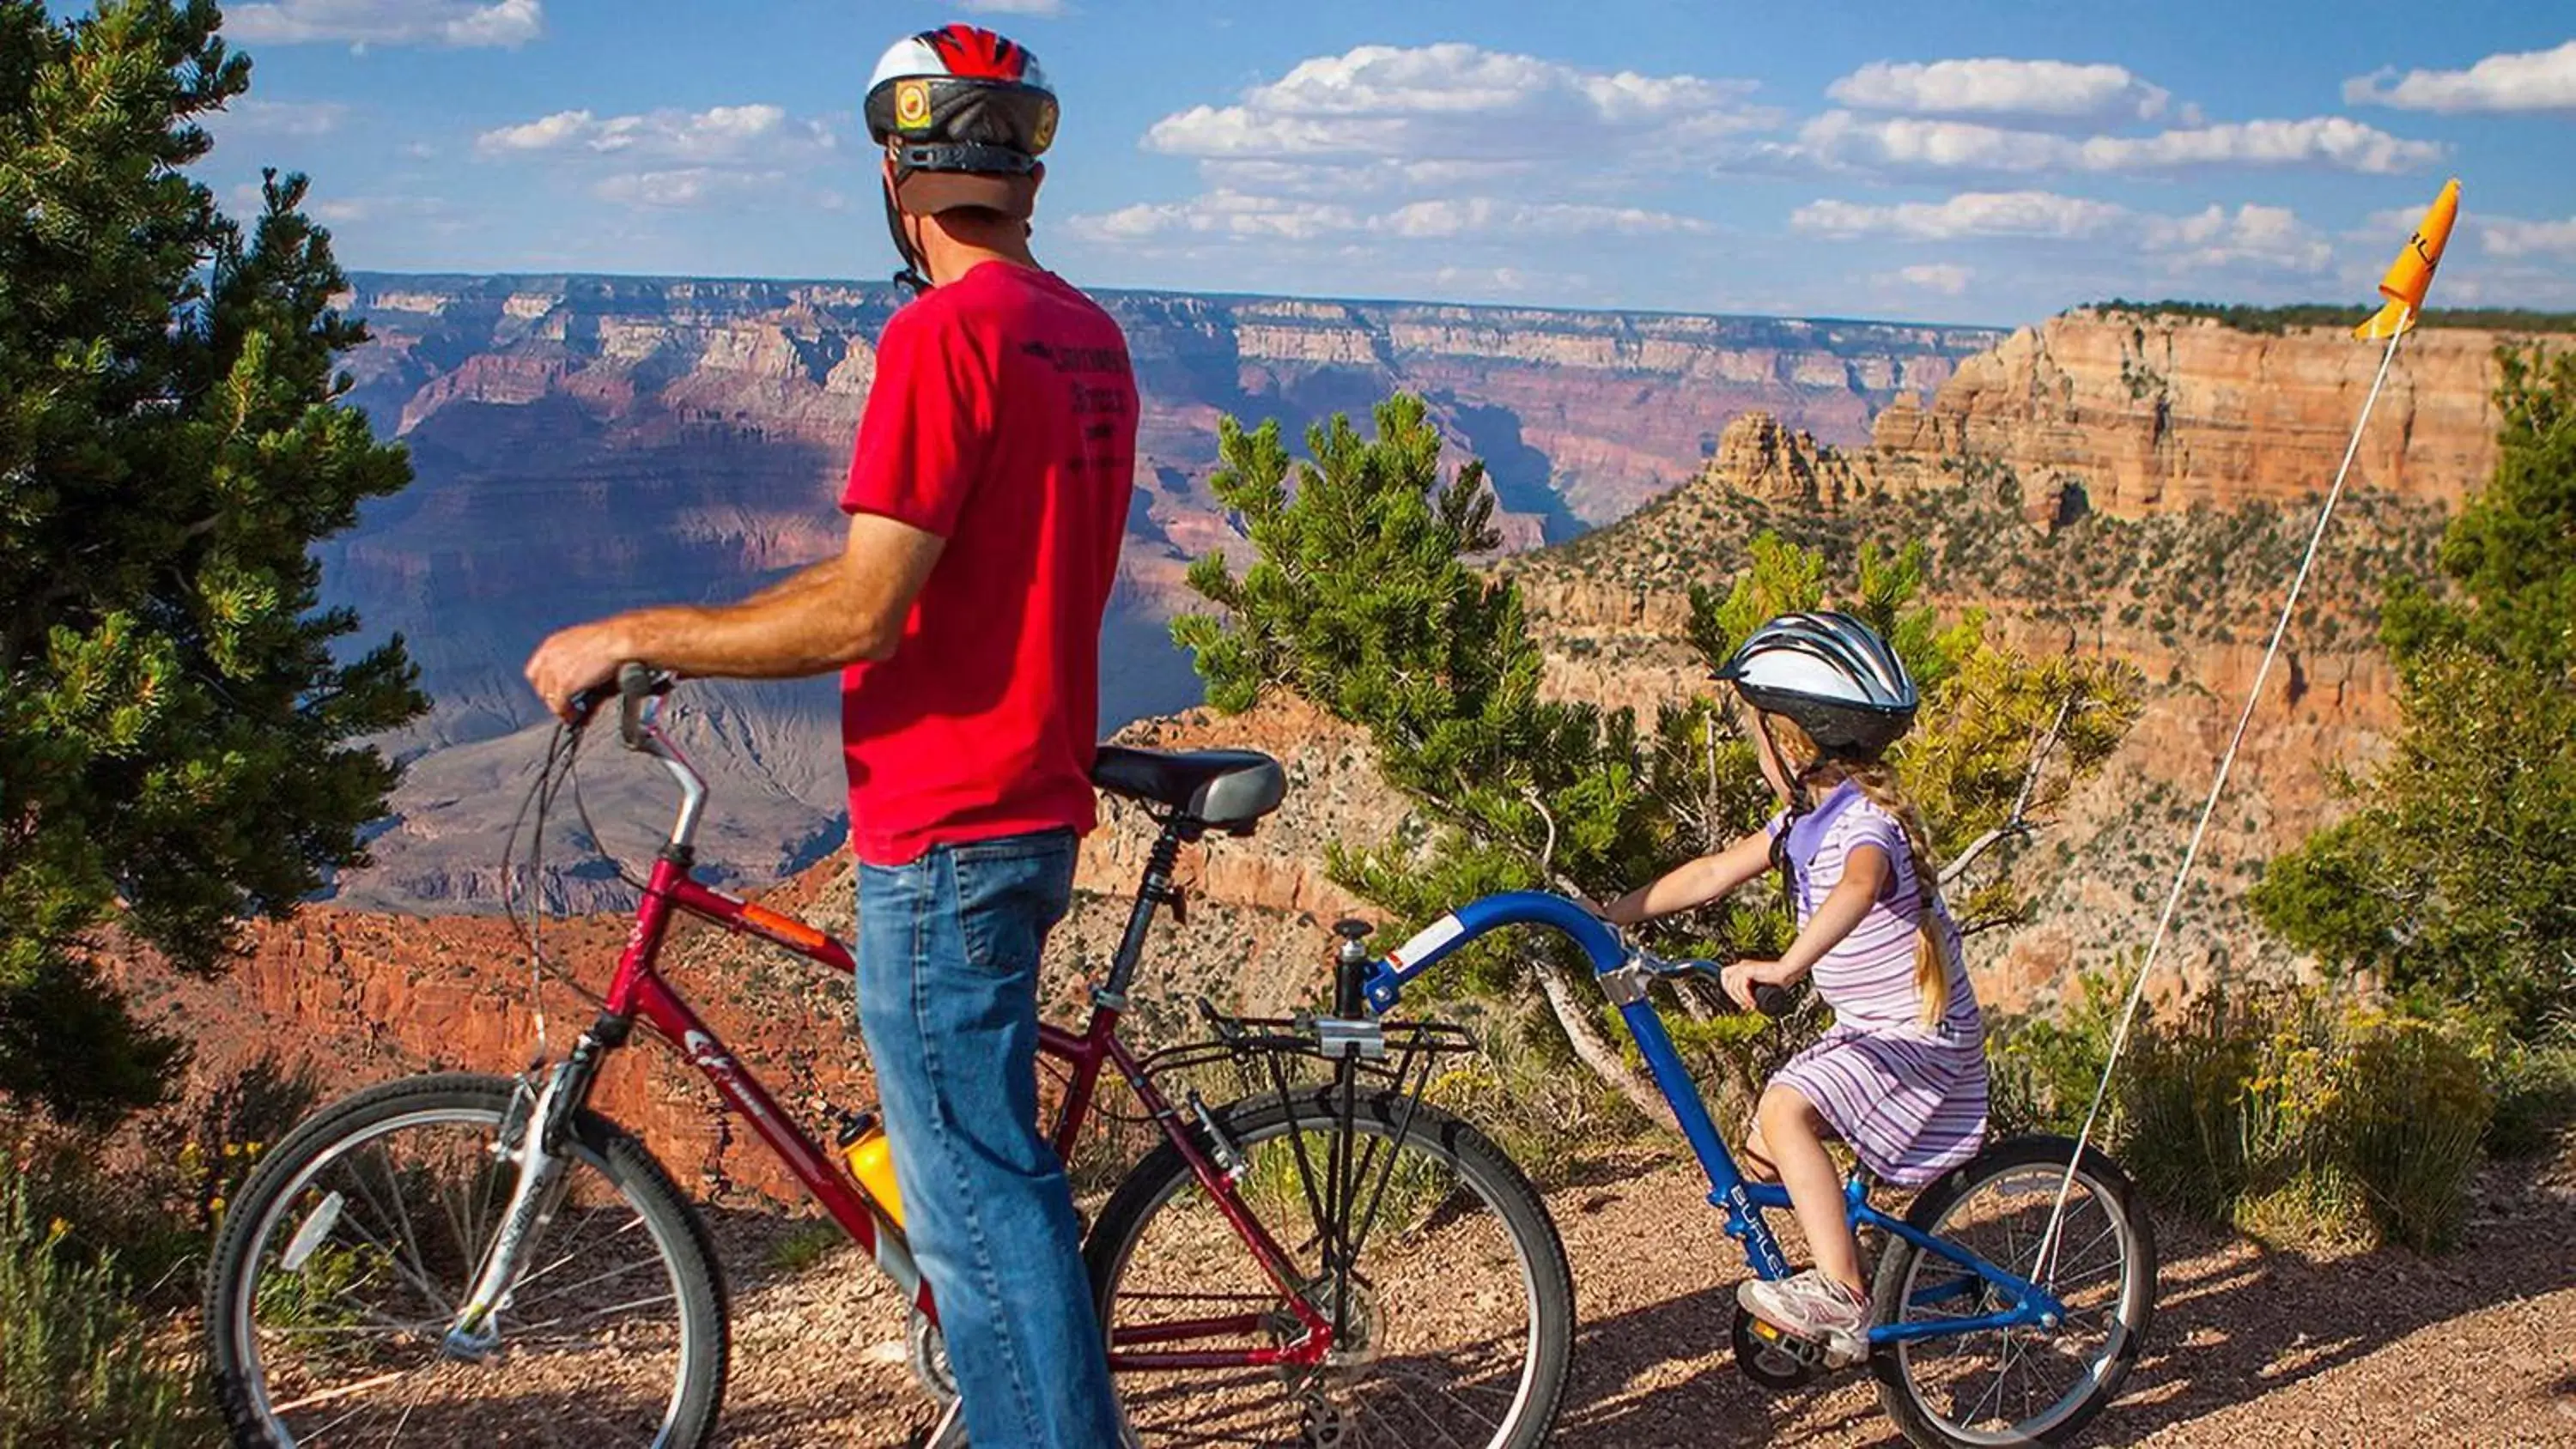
[(584, 444), (2156, 526)]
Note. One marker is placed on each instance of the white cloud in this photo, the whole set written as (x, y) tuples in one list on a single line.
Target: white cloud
[(563, 128), (2053, 88), (389, 22), (688, 186), (2266, 237), (1245, 215), (1487, 216), (2270, 238), (343, 211), (1364, 177), (248, 118), (1968, 214), (719, 133), (2531, 80), (1841, 139), (2506, 236), (1220, 213), (1947, 278), (1454, 102), (2334, 142)]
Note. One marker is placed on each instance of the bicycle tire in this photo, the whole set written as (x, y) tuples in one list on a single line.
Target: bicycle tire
[(2041, 1160), (1164, 1175), (260, 1210)]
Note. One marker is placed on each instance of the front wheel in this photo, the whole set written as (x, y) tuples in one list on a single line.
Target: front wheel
[(1452, 1323), (345, 1256), (2016, 1385)]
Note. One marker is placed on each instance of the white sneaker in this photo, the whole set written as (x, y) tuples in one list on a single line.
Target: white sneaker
[(1813, 1307)]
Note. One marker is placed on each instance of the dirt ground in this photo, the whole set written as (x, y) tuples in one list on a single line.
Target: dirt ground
[(2252, 1346)]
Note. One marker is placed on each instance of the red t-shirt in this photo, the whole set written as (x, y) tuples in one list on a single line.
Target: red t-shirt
[(1003, 419)]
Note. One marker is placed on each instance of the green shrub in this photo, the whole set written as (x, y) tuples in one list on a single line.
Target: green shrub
[(76, 1364), (152, 1191), (2535, 1097), (2414, 1111), (2286, 1112), (1523, 1089)]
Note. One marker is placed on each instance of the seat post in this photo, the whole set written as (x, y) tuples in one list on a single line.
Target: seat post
[(1154, 890)]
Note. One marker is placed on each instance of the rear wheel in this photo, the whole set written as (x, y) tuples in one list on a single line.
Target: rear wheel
[(2024, 1385), (1453, 1330), (344, 1258)]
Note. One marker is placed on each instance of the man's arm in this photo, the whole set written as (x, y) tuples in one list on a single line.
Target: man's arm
[(832, 613)]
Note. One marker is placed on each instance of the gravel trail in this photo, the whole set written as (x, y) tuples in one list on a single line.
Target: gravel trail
[(2252, 1347)]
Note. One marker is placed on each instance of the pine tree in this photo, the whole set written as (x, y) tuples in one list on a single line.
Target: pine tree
[(2455, 875), (1364, 598), (175, 725)]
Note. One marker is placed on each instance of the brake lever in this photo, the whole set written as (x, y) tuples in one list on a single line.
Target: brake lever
[(1772, 1001)]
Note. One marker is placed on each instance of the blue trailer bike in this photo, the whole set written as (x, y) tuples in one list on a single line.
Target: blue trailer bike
[(1987, 1328)]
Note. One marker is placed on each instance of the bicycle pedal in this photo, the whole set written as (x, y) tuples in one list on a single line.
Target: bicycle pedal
[(1817, 1355)]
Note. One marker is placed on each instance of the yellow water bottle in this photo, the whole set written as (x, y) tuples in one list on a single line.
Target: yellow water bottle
[(871, 1158)]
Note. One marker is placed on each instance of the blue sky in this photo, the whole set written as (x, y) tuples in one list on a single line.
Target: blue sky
[(1981, 161)]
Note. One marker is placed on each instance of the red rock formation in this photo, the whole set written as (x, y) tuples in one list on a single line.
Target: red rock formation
[(587, 443), (381, 994), (2160, 414)]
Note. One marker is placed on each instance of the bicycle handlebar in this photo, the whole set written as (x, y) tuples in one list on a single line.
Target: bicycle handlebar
[(636, 682), (1772, 1001)]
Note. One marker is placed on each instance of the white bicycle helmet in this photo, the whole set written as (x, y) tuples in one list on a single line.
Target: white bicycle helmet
[(1832, 676), (964, 114)]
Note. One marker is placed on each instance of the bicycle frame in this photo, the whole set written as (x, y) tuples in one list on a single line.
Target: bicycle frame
[(637, 991), (1624, 977)]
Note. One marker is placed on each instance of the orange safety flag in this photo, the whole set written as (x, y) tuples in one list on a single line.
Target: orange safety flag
[(2412, 273)]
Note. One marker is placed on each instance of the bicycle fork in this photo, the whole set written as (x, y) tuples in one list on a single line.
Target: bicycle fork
[(539, 1138)]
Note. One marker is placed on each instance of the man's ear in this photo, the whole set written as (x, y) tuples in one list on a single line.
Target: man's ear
[(1037, 174)]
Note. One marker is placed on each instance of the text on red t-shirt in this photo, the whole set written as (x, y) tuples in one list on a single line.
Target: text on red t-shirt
[(1003, 418)]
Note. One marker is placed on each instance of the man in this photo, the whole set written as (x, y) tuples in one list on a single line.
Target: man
[(987, 497)]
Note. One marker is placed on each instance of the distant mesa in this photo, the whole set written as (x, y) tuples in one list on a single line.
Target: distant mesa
[(588, 443)]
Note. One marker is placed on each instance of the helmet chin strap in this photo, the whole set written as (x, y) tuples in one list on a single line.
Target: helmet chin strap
[(912, 275)]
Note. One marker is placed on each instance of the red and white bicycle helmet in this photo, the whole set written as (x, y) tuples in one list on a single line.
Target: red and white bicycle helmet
[(964, 114), (1833, 676)]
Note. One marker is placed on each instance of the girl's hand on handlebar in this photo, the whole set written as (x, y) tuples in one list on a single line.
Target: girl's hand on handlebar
[(1738, 978)]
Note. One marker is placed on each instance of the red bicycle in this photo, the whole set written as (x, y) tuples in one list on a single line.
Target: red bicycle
[(1327, 1260)]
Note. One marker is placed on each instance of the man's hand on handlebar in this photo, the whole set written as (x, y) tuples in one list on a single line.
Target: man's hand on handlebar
[(577, 662)]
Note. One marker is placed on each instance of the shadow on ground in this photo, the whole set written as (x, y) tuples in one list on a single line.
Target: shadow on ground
[(2235, 1321)]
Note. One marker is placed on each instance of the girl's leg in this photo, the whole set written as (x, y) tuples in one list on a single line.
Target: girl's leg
[(1791, 1136)]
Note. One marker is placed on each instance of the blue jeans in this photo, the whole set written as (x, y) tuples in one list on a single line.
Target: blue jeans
[(947, 984)]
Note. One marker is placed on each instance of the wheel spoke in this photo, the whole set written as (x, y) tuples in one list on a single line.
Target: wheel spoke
[(600, 1352), (1439, 1338), (2012, 1383)]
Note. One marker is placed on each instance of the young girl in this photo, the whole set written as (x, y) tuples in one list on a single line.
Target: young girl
[(1901, 1076)]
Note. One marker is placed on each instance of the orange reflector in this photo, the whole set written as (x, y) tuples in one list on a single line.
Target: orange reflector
[(786, 928)]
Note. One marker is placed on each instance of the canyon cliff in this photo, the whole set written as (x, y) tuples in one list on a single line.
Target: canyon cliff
[(2075, 506), (584, 444)]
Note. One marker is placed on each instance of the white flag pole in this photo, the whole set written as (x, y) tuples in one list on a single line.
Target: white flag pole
[(2043, 1269)]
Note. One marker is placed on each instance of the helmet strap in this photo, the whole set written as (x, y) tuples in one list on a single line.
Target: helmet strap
[(912, 275)]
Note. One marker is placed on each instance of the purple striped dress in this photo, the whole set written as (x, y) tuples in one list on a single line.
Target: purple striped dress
[(1911, 1101)]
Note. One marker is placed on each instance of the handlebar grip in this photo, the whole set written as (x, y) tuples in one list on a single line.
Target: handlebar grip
[(634, 686), (635, 683), (1772, 1001), (587, 703)]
